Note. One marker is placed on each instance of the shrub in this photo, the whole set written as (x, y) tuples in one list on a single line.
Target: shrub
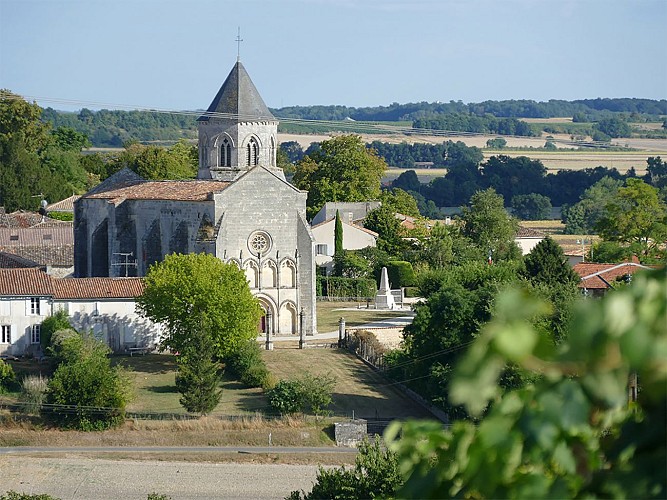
[(58, 321), (6, 375), (14, 495), (400, 273), (375, 475), (247, 364), (88, 393), (310, 394), (66, 344), (33, 393), (286, 397)]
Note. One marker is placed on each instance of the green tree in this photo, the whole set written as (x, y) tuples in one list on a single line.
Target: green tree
[(86, 392), (531, 206), (383, 221), (198, 292), (489, 226), (582, 217), (375, 475), (546, 263), (401, 202), (342, 169), (68, 139), (55, 322), (497, 143), (338, 235), (636, 216), (437, 248), (569, 434), (197, 378)]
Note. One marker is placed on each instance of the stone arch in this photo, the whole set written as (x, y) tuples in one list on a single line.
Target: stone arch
[(269, 318), (153, 245), (223, 145), (289, 318), (179, 242), (234, 261), (269, 274), (288, 273), (252, 149), (252, 273), (99, 250)]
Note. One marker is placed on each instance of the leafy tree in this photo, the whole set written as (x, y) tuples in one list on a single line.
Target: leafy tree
[(293, 150), (614, 127), (55, 322), (489, 226), (6, 375), (407, 181), (583, 217), (155, 162), (546, 263), (531, 206), (383, 221), (197, 379), (68, 139), (437, 249), (512, 176), (570, 433), (636, 216), (198, 292), (656, 172), (343, 169), (497, 143), (86, 391), (400, 202), (610, 252), (375, 475)]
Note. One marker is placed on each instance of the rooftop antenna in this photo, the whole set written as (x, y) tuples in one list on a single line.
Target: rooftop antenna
[(238, 45)]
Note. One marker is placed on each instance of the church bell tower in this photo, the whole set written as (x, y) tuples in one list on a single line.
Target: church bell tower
[(237, 132)]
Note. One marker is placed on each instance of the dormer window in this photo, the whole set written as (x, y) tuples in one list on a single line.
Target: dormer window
[(252, 153)]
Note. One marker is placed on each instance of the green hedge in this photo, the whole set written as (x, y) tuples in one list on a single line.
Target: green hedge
[(400, 274), (352, 288)]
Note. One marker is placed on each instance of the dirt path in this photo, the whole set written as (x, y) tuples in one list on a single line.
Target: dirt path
[(95, 479)]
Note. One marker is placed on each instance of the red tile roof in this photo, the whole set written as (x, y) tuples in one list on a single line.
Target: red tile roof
[(527, 232), (27, 282), (600, 276), (34, 282), (195, 190), (93, 288)]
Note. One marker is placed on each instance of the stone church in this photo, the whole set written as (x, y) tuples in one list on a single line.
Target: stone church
[(240, 209)]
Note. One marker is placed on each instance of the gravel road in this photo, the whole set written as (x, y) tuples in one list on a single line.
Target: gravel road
[(95, 479)]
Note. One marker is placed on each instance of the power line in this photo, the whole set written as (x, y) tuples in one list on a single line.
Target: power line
[(364, 126)]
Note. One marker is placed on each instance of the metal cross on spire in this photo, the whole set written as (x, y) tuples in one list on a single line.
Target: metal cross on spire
[(238, 43)]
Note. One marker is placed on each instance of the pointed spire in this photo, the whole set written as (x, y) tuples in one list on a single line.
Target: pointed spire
[(238, 100)]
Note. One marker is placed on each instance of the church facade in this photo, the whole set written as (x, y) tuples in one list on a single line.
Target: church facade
[(240, 209)]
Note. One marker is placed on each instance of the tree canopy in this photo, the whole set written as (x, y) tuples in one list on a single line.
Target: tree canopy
[(198, 292), (342, 169)]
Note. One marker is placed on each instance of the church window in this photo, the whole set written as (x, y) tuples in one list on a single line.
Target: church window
[(259, 243), (226, 154), (252, 152)]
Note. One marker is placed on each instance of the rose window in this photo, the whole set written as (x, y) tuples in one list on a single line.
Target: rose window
[(259, 243)]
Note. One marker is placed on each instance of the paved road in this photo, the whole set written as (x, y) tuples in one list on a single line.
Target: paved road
[(98, 479), (31, 450)]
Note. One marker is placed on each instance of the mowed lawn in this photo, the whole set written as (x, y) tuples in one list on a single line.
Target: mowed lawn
[(355, 314), (358, 389)]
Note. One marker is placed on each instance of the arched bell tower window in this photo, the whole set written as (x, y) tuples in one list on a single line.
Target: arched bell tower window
[(252, 152), (225, 153)]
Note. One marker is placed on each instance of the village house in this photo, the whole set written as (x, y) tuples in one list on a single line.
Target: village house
[(597, 279), (355, 237), (106, 307)]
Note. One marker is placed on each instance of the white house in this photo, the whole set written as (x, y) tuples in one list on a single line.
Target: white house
[(354, 238), (105, 306), (527, 239), (350, 211), (25, 301)]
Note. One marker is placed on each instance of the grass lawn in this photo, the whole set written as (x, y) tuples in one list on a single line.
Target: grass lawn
[(358, 388), (355, 314)]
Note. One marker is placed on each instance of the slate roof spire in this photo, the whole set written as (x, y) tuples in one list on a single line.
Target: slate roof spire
[(238, 100)]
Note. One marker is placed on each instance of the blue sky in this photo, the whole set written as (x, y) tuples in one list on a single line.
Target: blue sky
[(175, 54)]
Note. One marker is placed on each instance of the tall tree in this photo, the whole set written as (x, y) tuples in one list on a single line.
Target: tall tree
[(489, 226), (338, 234), (636, 216), (198, 292), (342, 169)]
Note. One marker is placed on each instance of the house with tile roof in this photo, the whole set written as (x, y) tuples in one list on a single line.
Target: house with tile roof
[(597, 279), (354, 238), (104, 306), (527, 239), (240, 209)]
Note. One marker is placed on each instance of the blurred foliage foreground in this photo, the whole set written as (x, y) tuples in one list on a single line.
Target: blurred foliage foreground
[(571, 434)]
